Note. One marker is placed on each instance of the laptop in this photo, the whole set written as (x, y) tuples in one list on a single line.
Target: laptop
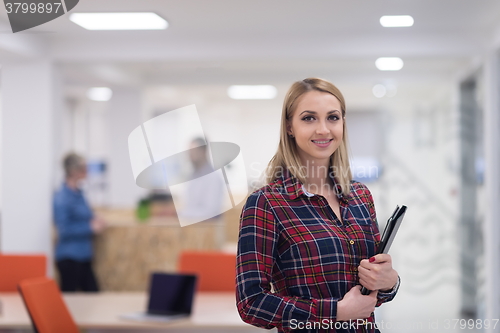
[(170, 298)]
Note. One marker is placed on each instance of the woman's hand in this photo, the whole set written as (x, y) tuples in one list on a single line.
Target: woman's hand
[(377, 273), (354, 305)]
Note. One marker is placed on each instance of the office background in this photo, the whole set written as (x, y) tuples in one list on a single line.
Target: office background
[(428, 133)]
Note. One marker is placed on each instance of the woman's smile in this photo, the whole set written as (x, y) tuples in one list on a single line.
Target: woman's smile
[(322, 143)]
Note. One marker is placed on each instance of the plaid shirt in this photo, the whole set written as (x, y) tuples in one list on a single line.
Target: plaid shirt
[(296, 259)]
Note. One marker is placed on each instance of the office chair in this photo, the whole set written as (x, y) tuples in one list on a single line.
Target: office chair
[(15, 268), (46, 306), (216, 271)]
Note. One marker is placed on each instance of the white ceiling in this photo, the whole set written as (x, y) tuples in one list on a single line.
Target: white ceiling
[(262, 41)]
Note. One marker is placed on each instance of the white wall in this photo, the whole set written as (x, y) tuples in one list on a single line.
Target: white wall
[(27, 156), (125, 114), (491, 231)]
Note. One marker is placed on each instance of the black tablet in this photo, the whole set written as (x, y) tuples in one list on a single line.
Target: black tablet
[(390, 230)]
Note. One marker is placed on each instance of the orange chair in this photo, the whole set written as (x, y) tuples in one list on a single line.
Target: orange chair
[(216, 271), (15, 268), (46, 306)]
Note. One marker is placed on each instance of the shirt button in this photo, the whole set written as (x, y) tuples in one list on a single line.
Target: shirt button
[(351, 242)]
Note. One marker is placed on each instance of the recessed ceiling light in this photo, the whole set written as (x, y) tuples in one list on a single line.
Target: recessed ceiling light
[(99, 94), (389, 64), (384, 90), (392, 90), (393, 21), (119, 21), (252, 92), (379, 90)]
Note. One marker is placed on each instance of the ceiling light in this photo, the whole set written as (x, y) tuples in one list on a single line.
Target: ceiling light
[(99, 94), (392, 90), (252, 92), (389, 64), (119, 21), (393, 21), (379, 90)]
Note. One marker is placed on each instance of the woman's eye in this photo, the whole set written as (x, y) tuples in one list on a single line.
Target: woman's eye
[(311, 118)]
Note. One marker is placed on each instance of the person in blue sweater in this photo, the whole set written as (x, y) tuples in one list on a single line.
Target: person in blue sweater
[(76, 226)]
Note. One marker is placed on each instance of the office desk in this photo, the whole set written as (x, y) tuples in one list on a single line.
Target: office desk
[(212, 312)]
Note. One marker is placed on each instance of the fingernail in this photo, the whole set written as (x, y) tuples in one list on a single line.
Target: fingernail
[(372, 259)]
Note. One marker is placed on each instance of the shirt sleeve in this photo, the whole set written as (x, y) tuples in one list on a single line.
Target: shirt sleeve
[(386, 296), (382, 297), (257, 253), (66, 226)]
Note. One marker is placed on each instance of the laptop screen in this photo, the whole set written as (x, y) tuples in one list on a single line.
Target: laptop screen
[(171, 293)]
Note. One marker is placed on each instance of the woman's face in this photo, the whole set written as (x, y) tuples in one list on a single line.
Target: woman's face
[(317, 126)]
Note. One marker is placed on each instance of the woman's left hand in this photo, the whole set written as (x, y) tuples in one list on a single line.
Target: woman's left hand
[(377, 273)]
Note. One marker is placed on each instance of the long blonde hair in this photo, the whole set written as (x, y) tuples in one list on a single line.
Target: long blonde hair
[(287, 156)]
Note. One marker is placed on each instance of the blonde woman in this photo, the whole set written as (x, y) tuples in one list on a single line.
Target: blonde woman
[(307, 240)]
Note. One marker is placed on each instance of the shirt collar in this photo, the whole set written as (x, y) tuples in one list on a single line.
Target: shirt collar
[(67, 189), (295, 189)]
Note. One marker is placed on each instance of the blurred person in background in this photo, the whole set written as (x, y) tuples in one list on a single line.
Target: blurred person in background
[(308, 239), (76, 225), (203, 198)]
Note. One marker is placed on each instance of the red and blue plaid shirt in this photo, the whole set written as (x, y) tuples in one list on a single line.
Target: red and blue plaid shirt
[(296, 259)]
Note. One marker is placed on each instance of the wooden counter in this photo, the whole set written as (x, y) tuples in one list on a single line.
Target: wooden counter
[(127, 251)]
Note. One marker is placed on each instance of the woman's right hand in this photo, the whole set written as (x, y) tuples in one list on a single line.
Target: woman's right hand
[(355, 305)]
